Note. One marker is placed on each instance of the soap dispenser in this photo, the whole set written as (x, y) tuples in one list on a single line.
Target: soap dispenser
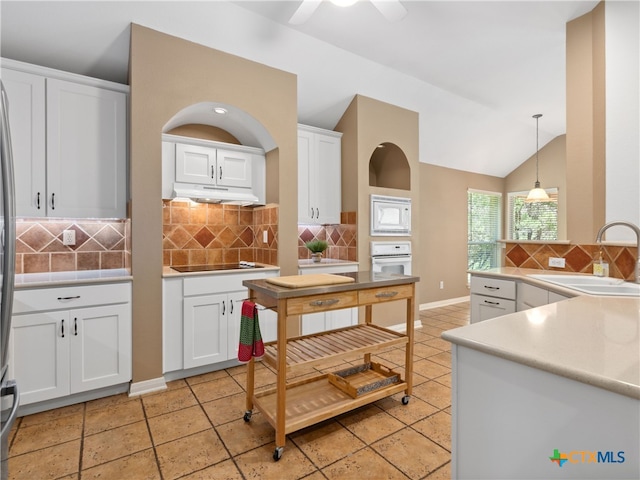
[(601, 268)]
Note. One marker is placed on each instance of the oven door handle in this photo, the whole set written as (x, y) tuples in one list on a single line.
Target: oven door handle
[(391, 259)]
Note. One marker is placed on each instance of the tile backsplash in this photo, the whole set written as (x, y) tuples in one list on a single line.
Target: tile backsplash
[(578, 258), (100, 244), (342, 239), (207, 234)]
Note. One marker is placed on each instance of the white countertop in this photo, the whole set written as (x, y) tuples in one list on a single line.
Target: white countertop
[(168, 272), (51, 279), (325, 262), (591, 339)]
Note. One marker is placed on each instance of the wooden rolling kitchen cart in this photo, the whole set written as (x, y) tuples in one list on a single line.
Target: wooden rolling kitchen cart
[(291, 406)]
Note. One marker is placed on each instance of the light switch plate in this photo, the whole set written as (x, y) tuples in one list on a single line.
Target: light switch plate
[(265, 236), (556, 262)]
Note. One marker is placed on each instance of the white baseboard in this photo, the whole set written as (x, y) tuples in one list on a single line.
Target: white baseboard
[(147, 386), (402, 327), (443, 303)]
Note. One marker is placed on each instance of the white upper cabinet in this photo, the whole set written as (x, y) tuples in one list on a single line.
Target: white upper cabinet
[(319, 175), (212, 166), (69, 136)]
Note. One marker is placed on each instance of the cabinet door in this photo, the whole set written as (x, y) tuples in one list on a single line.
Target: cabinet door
[(86, 151), (314, 323), (233, 169), (100, 346), (39, 359), (342, 318), (195, 164), (205, 330), (26, 95), (306, 184), (484, 308), (234, 313), (327, 174)]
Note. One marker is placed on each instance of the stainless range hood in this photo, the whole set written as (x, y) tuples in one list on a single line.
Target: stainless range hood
[(210, 194)]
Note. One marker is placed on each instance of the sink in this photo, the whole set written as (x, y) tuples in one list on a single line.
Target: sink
[(592, 284)]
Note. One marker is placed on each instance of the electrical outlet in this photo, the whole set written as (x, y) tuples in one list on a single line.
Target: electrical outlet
[(69, 237), (556, 262), (265, 236), (441, 284)]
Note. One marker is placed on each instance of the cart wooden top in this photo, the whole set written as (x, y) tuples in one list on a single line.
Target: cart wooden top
[(363, 281)]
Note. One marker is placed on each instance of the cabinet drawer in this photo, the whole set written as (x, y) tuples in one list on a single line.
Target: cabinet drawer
[(219, 283), (321, 303), (64, 298), (493, 287), (385, 294)]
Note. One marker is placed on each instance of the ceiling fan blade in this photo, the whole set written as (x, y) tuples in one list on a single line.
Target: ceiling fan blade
[(391, 9), (304, 11)]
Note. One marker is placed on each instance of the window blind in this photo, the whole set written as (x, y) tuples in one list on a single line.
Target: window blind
[(532, 221), (484, 210)]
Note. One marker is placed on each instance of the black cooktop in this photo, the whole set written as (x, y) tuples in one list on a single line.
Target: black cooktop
[(211, 268)]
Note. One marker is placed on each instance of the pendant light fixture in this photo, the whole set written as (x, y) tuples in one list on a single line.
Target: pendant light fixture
[(537, 194)]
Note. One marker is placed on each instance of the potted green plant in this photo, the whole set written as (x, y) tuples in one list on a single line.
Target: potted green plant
[(316, 247)]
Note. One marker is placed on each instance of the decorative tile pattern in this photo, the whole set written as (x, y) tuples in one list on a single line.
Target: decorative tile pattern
[(99, 245), (578, 258), (340, 238), (208, 234)]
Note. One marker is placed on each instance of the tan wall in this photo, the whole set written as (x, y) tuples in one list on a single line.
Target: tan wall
[(552, 173), (366, 124), (168, 74), (443, 229), (585, 126)]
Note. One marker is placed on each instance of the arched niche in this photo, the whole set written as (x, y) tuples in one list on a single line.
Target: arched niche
[(236, 123), (389, 167)]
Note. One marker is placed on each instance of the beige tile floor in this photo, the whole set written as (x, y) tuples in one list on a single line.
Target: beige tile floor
[(195, 430)]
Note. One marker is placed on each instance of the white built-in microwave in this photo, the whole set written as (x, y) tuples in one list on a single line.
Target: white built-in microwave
[(390, 216)]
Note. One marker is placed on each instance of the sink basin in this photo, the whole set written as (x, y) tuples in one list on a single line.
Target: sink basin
[(592, 284)]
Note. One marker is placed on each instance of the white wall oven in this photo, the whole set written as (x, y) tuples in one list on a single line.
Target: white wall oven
[(391, 257), (390, 216)]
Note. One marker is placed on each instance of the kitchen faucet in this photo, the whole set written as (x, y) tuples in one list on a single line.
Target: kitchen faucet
[(633, 227)]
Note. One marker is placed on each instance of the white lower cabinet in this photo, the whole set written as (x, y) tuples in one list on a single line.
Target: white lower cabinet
[(61, 345), (491, 297), (331, 320), (201, 318)]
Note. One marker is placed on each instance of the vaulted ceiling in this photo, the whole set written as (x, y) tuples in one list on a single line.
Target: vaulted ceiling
[(475, 71)]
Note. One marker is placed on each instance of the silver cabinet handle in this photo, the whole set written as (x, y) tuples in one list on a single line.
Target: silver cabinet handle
[(62, 330), (324, 303), (62, 299), (489, 287), (386, 294), (38, 201), (53, 201)]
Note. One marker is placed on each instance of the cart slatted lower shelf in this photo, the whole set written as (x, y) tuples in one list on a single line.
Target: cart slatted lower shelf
[(311, 349)]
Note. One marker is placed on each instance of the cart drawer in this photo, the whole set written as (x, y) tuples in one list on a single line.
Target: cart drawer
[(385, 294), (321, 303)]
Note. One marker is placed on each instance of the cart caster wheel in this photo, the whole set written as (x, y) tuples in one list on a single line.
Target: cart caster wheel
[(277, 453), (247, 416), (405, 400)]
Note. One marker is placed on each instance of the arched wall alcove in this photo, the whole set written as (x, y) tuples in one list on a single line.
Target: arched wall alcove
[(243, 127), (389, 167)]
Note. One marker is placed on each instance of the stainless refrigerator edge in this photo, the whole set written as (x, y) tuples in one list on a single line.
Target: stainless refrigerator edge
[(9, 396)]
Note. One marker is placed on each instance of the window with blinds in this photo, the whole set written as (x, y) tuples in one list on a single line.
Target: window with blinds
[(532, 221), (484, 210)]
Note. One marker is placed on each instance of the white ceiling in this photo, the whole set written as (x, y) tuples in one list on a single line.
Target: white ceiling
[(475, 71)]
